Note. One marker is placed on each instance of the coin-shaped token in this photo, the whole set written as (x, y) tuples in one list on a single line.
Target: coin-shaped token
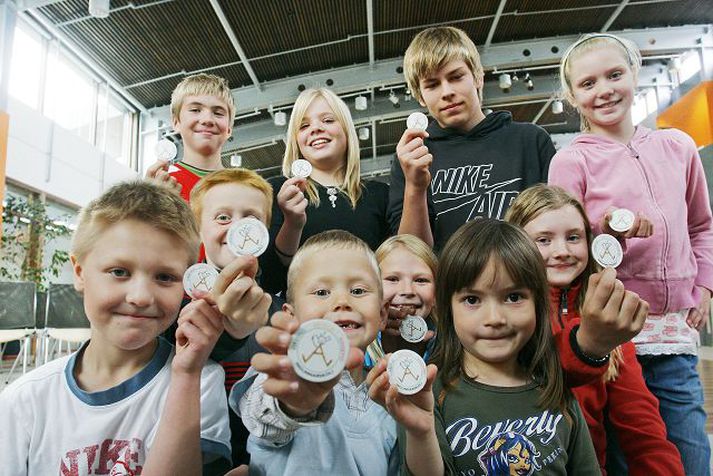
[(413, 328), (607, 251), (166, 150), (318, 350), (301, 168), (407, 371), (622, 220), (199, 277), (417, 121), (248, 236)]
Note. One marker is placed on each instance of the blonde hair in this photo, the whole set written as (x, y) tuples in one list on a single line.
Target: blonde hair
[(416, 247), (236, 176), (434, 47), (539, 199), (351, 171), (332, 239), (585, 44), (146, 202), (202, 84)]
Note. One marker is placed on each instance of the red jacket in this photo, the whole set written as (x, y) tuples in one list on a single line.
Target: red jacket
[(633, 411)]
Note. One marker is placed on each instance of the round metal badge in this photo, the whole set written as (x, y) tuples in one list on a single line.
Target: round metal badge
[(413, 328), (301, 168), (248, 236), (622, 220), (607, 251), (407, 371), (199, 277), (166, 150), (318, 350), (417, 121)]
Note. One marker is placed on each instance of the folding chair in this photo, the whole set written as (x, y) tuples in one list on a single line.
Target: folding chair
[(17, 319), (65, 321)]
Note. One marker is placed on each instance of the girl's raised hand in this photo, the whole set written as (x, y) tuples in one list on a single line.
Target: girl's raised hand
[(611, 315), (642, 227), (413, 412), (292, 201)]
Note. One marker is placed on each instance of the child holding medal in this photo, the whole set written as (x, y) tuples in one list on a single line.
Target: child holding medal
[(498, 404), (321, 188), (669, 247), (583, 300)]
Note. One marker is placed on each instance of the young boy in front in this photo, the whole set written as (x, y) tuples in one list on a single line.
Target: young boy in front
[(126, 402), (218, 200), (300, 427), (202, 111), (465, 165)]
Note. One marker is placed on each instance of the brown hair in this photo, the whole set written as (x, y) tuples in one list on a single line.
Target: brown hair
[(539, 199), (464, 258), (236, 176), (149, 203)]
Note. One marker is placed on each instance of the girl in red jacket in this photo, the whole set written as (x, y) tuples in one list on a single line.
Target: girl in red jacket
[(557, 224)]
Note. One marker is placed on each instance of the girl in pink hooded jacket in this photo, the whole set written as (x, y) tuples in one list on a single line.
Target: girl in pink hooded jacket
[(668, 258)]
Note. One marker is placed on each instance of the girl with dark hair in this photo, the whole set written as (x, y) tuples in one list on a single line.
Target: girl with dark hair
[(499, 369)]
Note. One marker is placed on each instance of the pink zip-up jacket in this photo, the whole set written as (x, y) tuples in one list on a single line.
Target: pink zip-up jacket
[(659, 173)]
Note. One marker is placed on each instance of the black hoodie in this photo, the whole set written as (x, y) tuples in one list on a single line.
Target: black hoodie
[(476, 174)]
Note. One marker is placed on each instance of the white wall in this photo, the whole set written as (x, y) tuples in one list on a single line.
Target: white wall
[(48, 158)]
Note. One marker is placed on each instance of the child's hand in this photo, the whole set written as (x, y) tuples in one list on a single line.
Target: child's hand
[(158, 173), (698, 316), (414, 158), (611, 315), (394, 318), (199, 326), (292, 201), (413, 412), (238, 297), (297, 397), (642, 227)]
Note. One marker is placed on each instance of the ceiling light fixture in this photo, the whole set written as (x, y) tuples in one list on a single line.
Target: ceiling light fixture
[(557, 107), (505, 82), (363, 133), (280, 118), (99, 8), (360, 103)]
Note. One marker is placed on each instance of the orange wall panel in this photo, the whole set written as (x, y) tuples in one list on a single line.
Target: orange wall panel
[(693, 114)]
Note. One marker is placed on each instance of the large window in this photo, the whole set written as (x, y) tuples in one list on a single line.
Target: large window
[(26, 66), (69, 96), (49, 78)]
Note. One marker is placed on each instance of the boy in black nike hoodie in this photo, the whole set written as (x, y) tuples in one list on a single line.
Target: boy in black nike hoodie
[(465, 165)]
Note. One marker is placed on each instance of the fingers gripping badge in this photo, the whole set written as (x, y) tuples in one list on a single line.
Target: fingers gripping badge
[(407, 371), (607, 251), (248, 236), (318, 350)]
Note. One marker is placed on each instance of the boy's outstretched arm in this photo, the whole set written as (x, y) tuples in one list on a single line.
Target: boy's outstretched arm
[(415, 413), (177, 447)]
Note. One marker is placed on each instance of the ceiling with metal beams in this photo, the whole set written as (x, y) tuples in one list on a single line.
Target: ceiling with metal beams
[(268, 48)]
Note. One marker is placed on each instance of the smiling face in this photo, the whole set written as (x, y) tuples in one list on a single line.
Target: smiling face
[(131, 280), (321, 137), (204, 124), (408, 281), (602, 86), (493, 319), (561, 239), (223, 204), (451, 96), (342, 286)]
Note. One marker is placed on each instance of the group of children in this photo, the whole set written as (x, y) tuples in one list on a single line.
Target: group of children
[(531, 363)]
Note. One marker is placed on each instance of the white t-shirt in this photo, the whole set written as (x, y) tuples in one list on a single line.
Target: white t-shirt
[(51, 426)]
